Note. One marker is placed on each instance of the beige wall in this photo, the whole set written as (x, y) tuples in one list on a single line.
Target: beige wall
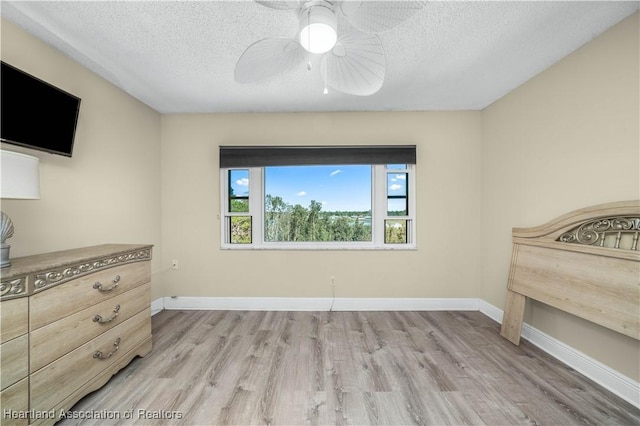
[(109, 191), (448, 185), (567, 139)]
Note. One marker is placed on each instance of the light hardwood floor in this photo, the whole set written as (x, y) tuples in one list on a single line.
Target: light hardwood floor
[(333, 368)]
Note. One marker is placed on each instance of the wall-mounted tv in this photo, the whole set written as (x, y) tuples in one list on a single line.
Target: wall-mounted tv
[(36, 114)]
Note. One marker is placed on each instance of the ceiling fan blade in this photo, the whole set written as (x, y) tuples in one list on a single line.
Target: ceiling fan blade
[(267, 58), (378, 16), (356, 64), (279, 4)]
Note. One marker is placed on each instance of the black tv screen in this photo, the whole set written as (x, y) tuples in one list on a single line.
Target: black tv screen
[(36, 114)]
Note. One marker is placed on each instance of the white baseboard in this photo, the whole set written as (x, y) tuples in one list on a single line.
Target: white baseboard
[(490, 311), (623, 386), (318, 304), (157, 306)]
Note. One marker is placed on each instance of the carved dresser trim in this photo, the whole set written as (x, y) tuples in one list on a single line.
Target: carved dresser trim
[(32, 274)]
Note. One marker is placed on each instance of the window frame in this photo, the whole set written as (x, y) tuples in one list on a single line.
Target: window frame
[(379, 213)]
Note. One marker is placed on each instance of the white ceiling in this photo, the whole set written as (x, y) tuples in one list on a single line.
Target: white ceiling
[(180, 56)]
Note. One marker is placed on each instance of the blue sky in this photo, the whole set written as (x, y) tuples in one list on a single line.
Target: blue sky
[(338, 188)]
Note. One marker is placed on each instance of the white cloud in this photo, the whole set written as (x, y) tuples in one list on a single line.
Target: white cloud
[(403, 177), (301, 194), (395, 187), (242, 182), (335, 172)]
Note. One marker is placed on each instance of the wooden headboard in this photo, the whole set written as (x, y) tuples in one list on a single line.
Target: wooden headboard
[(586, 262)]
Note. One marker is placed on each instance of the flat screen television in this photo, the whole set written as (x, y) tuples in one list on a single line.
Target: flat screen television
[(36, 114)]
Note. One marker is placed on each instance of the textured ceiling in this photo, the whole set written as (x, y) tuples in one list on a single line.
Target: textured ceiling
[(180, 56)]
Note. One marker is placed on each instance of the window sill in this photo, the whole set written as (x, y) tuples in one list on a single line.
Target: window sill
[(302, 247)]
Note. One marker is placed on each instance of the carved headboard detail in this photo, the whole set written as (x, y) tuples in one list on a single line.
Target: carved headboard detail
[(586, 262), (610, 229)]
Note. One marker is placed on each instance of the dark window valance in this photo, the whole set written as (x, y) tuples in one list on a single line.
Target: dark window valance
[(261, 156)]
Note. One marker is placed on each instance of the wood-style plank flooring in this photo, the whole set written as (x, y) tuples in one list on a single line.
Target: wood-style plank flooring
[(334, 368)]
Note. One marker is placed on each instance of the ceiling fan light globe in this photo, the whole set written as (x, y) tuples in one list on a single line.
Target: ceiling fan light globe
[(318, 29), (318, 38)]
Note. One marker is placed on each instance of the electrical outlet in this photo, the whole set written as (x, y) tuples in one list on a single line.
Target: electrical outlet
[(332, 281), (174, 264)]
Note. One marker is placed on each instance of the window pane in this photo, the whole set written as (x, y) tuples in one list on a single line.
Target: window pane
[(397, 194), (240, 229), (318, 203), (395, 231), (396, 166), (239, 191), (239, 205), (397, 184), (397, 207)]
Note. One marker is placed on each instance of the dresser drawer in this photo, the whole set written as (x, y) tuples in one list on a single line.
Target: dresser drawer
[(14, 318), (74, 296), (56, 381), (54, 340), (14, 359), (15, 403)]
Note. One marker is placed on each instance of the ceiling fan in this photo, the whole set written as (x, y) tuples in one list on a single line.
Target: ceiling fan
[(352, 63)]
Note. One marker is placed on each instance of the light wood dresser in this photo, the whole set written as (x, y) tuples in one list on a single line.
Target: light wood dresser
[(69, 320)]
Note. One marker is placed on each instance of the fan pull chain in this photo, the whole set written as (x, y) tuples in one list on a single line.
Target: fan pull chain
[(326, 77), (309, 39)]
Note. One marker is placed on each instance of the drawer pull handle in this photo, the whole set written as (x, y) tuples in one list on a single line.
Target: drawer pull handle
[(99, 318), (116, 281), (100, 355)]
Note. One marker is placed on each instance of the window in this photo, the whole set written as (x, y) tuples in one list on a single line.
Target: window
[(273, 201), (317, 203), (240, 231)]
